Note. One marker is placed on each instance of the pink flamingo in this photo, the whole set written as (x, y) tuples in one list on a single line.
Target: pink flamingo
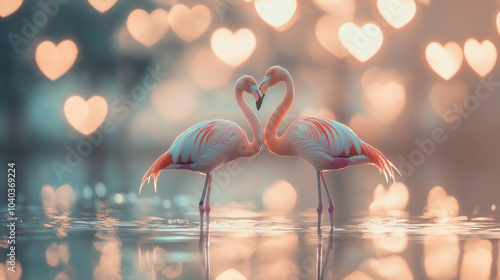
[(211, 144), (323, 143)]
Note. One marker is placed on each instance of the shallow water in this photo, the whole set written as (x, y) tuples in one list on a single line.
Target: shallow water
[(107, 245)]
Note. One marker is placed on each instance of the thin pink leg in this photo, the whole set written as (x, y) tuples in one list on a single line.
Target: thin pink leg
[(202, 199), (320, 205), (207, 202), (331, 207)]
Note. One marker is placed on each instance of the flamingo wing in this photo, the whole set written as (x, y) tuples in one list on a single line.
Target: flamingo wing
[(203, 147), (321, 141)]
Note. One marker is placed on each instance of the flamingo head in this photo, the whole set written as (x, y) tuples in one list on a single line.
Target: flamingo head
[(273, 76), (248, 84)]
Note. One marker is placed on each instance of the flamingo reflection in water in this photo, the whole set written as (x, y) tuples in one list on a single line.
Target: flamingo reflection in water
[(323, 143), (322, 260), (211, 144)]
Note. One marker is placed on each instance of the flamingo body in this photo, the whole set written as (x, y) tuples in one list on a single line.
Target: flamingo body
[(208, 145), (203, 148), (330, 145), (323, 143)]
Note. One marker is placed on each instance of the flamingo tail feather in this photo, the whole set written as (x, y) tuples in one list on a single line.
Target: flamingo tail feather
[(154, 171), (380, 161)]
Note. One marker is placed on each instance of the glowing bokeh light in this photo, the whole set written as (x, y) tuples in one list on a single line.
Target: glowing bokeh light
[(440, 205), (325, 27), (231, 274), (392, 200), (57, 253), (146, 28), (53, 61), (477, 259), (102, 5), (480, 56), (441, 253), (279, 197), (276, 12), (397, 12), (85, 116), (386, 101), (341, 9), (233, 48), (362, 43), (444, 60), (189, 24), (445, 96), (8, 7)]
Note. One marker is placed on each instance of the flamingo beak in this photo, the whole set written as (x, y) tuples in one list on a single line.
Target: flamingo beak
[(259, 97), (264, 85)]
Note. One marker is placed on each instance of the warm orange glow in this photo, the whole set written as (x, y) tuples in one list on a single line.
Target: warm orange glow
[(498, 22), (324, 113), (233, 48), (85, 116), (54, 60), (440, 205), (480, 56), (231, 274), (57, 253), (390, 242), (397, 12), (57, 203), (357, 275), (441, 253), (174, 98), (362, 42), (110, 261), (366, 127), (386, 101), (341, 9), (390, 201), (476, 264), (9, 275), (279, 197), (189, 24), (325, 27), (444, 60), (102, 5), (444, 95), (146, 28), (7, 7), (276, 12), (392, 267), (208, 71)]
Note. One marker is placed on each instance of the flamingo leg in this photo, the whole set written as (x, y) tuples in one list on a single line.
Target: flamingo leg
[(201, 207), (320, 205), (207, 202), (331, 207)]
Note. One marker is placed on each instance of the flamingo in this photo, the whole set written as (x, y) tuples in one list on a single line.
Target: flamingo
[(323, 143), (210, 144)]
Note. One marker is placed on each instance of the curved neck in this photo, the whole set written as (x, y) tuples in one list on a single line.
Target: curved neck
[(250, 148), (272, 140)]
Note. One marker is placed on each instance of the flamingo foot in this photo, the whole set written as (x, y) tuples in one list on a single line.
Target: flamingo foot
[(320, 210), (202, 210), (207, 211), (331, 209)]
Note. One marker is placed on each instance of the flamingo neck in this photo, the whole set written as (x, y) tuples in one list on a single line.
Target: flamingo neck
[(273, 142), (250, 148)]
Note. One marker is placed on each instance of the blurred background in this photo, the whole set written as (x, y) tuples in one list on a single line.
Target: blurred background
[(92, 92)]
